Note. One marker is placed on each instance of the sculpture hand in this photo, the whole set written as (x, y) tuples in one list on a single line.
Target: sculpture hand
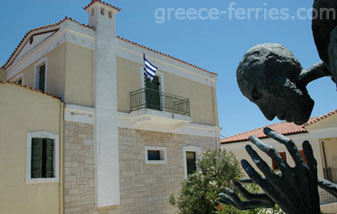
[(295, 191), (253, 200), (328, 186)]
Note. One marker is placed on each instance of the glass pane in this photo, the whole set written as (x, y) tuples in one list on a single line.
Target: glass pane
[(153, 155), (191, 162), (42, 72)]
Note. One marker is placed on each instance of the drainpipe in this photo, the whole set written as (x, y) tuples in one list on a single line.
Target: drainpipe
[(61, 182)]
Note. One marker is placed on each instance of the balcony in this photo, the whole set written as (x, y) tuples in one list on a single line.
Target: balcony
[(153, 99), (155, 109)]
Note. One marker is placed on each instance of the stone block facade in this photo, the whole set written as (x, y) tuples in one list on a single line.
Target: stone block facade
[(144, 188), (79, 168)]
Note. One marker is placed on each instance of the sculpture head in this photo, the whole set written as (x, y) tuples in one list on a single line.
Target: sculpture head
[(268, 75)]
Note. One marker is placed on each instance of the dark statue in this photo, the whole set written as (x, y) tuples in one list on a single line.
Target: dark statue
[(270, 76), (294, 189)]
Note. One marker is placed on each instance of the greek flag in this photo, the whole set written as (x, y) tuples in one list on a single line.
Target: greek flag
[(149, 69)]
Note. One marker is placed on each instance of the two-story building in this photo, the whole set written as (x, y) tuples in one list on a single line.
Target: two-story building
[(83, 131)]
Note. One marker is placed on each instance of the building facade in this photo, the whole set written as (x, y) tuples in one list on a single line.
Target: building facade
[(93, 135)]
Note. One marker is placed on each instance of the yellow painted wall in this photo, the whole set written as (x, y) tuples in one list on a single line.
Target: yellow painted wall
[(128, 80), (22, 111), (55, 72), (79, 75), (202, 97)]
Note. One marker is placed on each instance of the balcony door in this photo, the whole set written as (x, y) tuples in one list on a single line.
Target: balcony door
[(152, 94)]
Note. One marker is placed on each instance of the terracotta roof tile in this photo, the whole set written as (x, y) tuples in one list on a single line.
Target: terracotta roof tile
[(284, 128), (109, 5), (29, 88), (36, 29), (166, 55), (316, 119)]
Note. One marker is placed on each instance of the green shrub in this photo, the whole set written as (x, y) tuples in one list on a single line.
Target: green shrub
[(199, 194)]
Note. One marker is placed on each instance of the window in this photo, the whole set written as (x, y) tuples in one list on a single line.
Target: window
[(110, 14), (42, 162), (41, 78), (102, 11), (190, 159), (155, 155), (284, 158)]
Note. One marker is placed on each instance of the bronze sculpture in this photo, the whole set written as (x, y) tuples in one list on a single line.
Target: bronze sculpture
[(270, 76)]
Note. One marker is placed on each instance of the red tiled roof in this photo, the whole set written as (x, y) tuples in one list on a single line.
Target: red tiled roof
[(29, 88), (284, 128), (166, 55), (12, 56), (109, 5)]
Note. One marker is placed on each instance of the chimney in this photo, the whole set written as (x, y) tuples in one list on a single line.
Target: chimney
[(102, 17)]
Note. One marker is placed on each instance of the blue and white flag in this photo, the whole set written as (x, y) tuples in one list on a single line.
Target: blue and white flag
[(150, 70)]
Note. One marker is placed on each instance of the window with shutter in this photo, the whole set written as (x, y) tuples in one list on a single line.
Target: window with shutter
[(42, 160)]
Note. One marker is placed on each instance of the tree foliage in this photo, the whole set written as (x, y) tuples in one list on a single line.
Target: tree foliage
[(199, 194)]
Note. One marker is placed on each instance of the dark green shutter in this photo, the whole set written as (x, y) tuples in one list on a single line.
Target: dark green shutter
[(42, 77), (49, 158), (152, 94), (36, 163)]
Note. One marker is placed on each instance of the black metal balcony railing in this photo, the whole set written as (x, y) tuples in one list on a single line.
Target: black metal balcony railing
[(330, 174), (326, 197), (153, 99)]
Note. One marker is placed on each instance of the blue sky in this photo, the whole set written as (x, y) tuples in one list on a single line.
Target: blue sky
[(216, 44)]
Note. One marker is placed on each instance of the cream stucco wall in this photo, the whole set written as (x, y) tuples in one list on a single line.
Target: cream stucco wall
[(202, 97), (23, 110), (79, 75), (329, 122), (128, 80), (55, 61), (69, 74), (238, 149)]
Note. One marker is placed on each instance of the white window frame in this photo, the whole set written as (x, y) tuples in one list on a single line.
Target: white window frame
[(161, 81), (195, 149), (162, 154), (18, 77), (49, 135), (41, 62)]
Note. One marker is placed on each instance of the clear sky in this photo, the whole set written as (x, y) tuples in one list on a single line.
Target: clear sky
[(216, 40)]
